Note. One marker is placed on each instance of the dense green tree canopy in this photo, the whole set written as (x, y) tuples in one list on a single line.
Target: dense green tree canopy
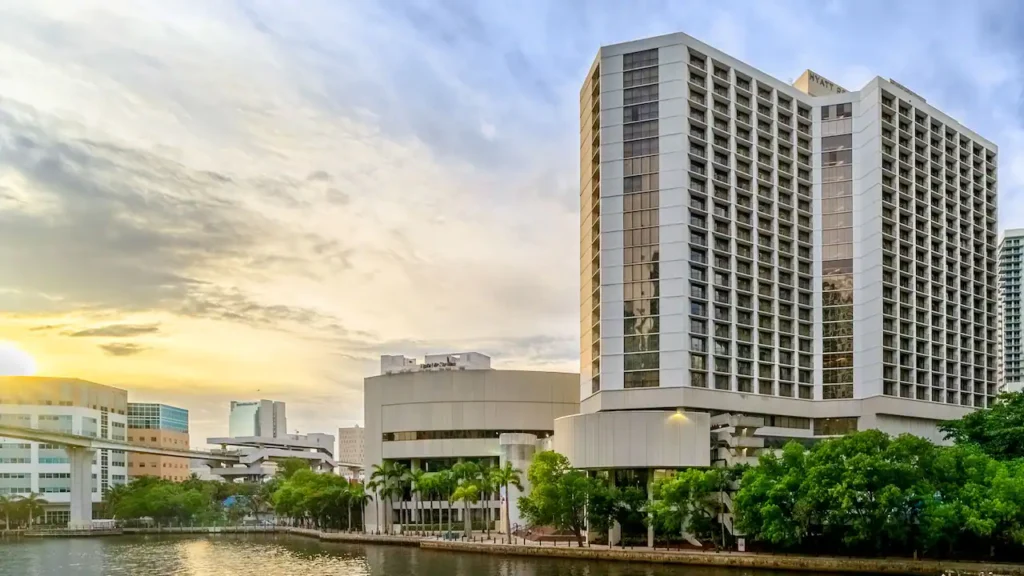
[(559, 494), (998, 431), (867, 493)]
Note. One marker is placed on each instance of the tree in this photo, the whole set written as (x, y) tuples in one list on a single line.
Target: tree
[(690, 502), (626, 505), (360, 498), (466, 474), (468, 493), (375, 486), (505, 476), (487, 485), (7, 507), (869, 494), (287, 467), (384, 475), (32, 506), (415, 477), (767, 503), (427, 486), (445, 486), (998, 431), (398, 479), (559, 494), (112, 497)]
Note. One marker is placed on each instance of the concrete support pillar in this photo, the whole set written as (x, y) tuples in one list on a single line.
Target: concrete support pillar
[(414, 501), (81, 486), (615, 531), (650, 517)]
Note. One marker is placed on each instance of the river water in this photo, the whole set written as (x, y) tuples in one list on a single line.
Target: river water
[(283, 555)]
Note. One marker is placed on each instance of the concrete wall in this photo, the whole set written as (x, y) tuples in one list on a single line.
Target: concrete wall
[(176, 469), (635, 439)]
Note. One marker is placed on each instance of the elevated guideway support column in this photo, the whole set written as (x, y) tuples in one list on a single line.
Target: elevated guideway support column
[(81, 486)]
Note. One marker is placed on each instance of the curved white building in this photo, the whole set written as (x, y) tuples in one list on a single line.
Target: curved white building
[(433, 415)]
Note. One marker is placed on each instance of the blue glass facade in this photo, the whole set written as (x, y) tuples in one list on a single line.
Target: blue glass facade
[(157, 417)]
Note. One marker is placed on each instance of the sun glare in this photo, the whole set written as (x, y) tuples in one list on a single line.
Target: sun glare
[(14, 361)]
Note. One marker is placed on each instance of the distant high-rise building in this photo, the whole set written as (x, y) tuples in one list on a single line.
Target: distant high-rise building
[(351, 444), (260, 418), (824, 259), (161, 426), (1011, 274)]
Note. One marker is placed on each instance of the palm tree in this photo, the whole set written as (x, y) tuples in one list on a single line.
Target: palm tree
[(374, 486), (347, 497), (468, 493), (415, 477), (33, 506), (505, 476), (466, 473), (445, 484), (385, 475), (427, 485), (486, 484), (111, 499), (400, 482), (361, 498), (7, 506)]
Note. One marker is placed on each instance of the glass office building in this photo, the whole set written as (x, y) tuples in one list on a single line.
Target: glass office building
[(157, 417)]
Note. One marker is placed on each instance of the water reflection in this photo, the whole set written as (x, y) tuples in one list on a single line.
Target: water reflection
[(291, 556)]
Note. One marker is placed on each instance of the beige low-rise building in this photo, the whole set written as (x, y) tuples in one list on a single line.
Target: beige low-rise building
[(157, 425), (437, 414)]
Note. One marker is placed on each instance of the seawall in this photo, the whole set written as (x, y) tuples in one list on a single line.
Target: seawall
[(739, 560), (748, 560)]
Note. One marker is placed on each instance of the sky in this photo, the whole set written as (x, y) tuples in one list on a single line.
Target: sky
[(203, 201)]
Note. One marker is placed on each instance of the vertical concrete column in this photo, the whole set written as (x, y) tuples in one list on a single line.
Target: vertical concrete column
[(518, 450), (81, 486), (650, 517), (615, 531), (416, 498), (461, 512)]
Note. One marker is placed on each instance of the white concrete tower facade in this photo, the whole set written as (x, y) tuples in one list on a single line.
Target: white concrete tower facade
[(1011, 274), (820, 257)]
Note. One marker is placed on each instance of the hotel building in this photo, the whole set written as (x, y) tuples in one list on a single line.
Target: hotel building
[(817, 259), (1011, 272)]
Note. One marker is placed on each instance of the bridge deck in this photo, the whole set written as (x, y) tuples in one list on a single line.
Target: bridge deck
[(79, 441)]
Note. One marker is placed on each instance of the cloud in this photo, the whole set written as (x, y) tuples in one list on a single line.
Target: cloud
[(123, 349), (116, 331), (46, 327)]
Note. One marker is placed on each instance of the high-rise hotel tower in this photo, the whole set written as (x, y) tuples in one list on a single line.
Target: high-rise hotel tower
[(1011, 277), (820, 257)]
